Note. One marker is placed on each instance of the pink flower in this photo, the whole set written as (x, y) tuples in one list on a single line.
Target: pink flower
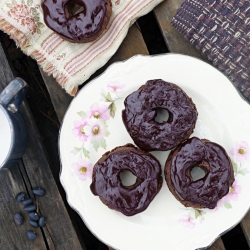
[(241, 151), (116, 87), (96, 129), (82, 169), (79, 129), (19, 11), (234, 192), (99, 111), (187, 221)]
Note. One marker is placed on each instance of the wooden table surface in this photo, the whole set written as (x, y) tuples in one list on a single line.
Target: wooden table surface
[(64, 228)]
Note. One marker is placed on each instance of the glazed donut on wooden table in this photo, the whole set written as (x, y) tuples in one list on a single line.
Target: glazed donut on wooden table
[(107, 184), (82, 27), (206, 191)]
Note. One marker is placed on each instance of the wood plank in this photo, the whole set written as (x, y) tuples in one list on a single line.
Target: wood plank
[(39, 175), (245, 225), (133, 44), (59, 98), (217, 245), (11, 235), (173, 39)]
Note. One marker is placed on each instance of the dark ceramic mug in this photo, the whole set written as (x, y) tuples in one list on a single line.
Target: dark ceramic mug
[(13, 133)]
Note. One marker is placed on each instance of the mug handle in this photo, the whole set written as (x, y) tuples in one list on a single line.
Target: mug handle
[(13, 94)]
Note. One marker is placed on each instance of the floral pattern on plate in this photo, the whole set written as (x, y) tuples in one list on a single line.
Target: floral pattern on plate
[(225, 119), (91, 127), (241, 152)]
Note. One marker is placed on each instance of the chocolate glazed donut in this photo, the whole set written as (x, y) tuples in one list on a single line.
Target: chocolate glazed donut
[(106, 182), (213, 159), (84, 26), (141, 109)]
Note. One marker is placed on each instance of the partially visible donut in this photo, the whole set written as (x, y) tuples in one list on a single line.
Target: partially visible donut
[(106, 182), (82, 27), (141, 109), (213, 159)]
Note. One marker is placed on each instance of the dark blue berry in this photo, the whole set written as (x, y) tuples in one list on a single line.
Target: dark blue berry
[(33, 216), (20, 196), (27, 201), (38, 191), (41, 221), (30, 208), (33, 223), (31, 235), (18, 218)]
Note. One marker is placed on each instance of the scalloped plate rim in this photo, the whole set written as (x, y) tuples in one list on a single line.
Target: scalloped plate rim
[(89, 83)]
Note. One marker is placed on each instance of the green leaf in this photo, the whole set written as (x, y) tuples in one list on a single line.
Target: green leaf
[(38, 31), (9, 5), (77, 149), (96, 145), (108, 97), (227, 205), (112, 109), (14, 2), (85, 153), (235, 167), (103, 144), (242, 172), (81, 113), (197, 213), (40, 25)]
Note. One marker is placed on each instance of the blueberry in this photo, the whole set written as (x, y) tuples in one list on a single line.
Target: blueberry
[(20, 196), (27, 201), (41, 221), (30, 234), (33, 216), (18, 218), (38, 191), (30, 208), (33, 223)]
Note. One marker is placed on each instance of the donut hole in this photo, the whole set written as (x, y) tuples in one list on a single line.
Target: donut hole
[(128, 179), (72, 9), (163, 116), (197, 173)]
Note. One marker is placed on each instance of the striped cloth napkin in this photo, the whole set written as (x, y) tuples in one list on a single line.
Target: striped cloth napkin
[(221, 30), (71, 64)]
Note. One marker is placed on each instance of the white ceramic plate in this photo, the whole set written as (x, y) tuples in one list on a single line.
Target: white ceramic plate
[(224, 117)]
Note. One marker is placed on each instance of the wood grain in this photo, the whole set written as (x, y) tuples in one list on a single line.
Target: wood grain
[(245, 225), (38, 174), (133, 44), (217, 245), (174, 40), (11, 235)]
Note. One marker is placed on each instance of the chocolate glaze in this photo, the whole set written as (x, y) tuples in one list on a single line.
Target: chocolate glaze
[(108, 186), (210, 156), (141, 109), (83, 25)]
